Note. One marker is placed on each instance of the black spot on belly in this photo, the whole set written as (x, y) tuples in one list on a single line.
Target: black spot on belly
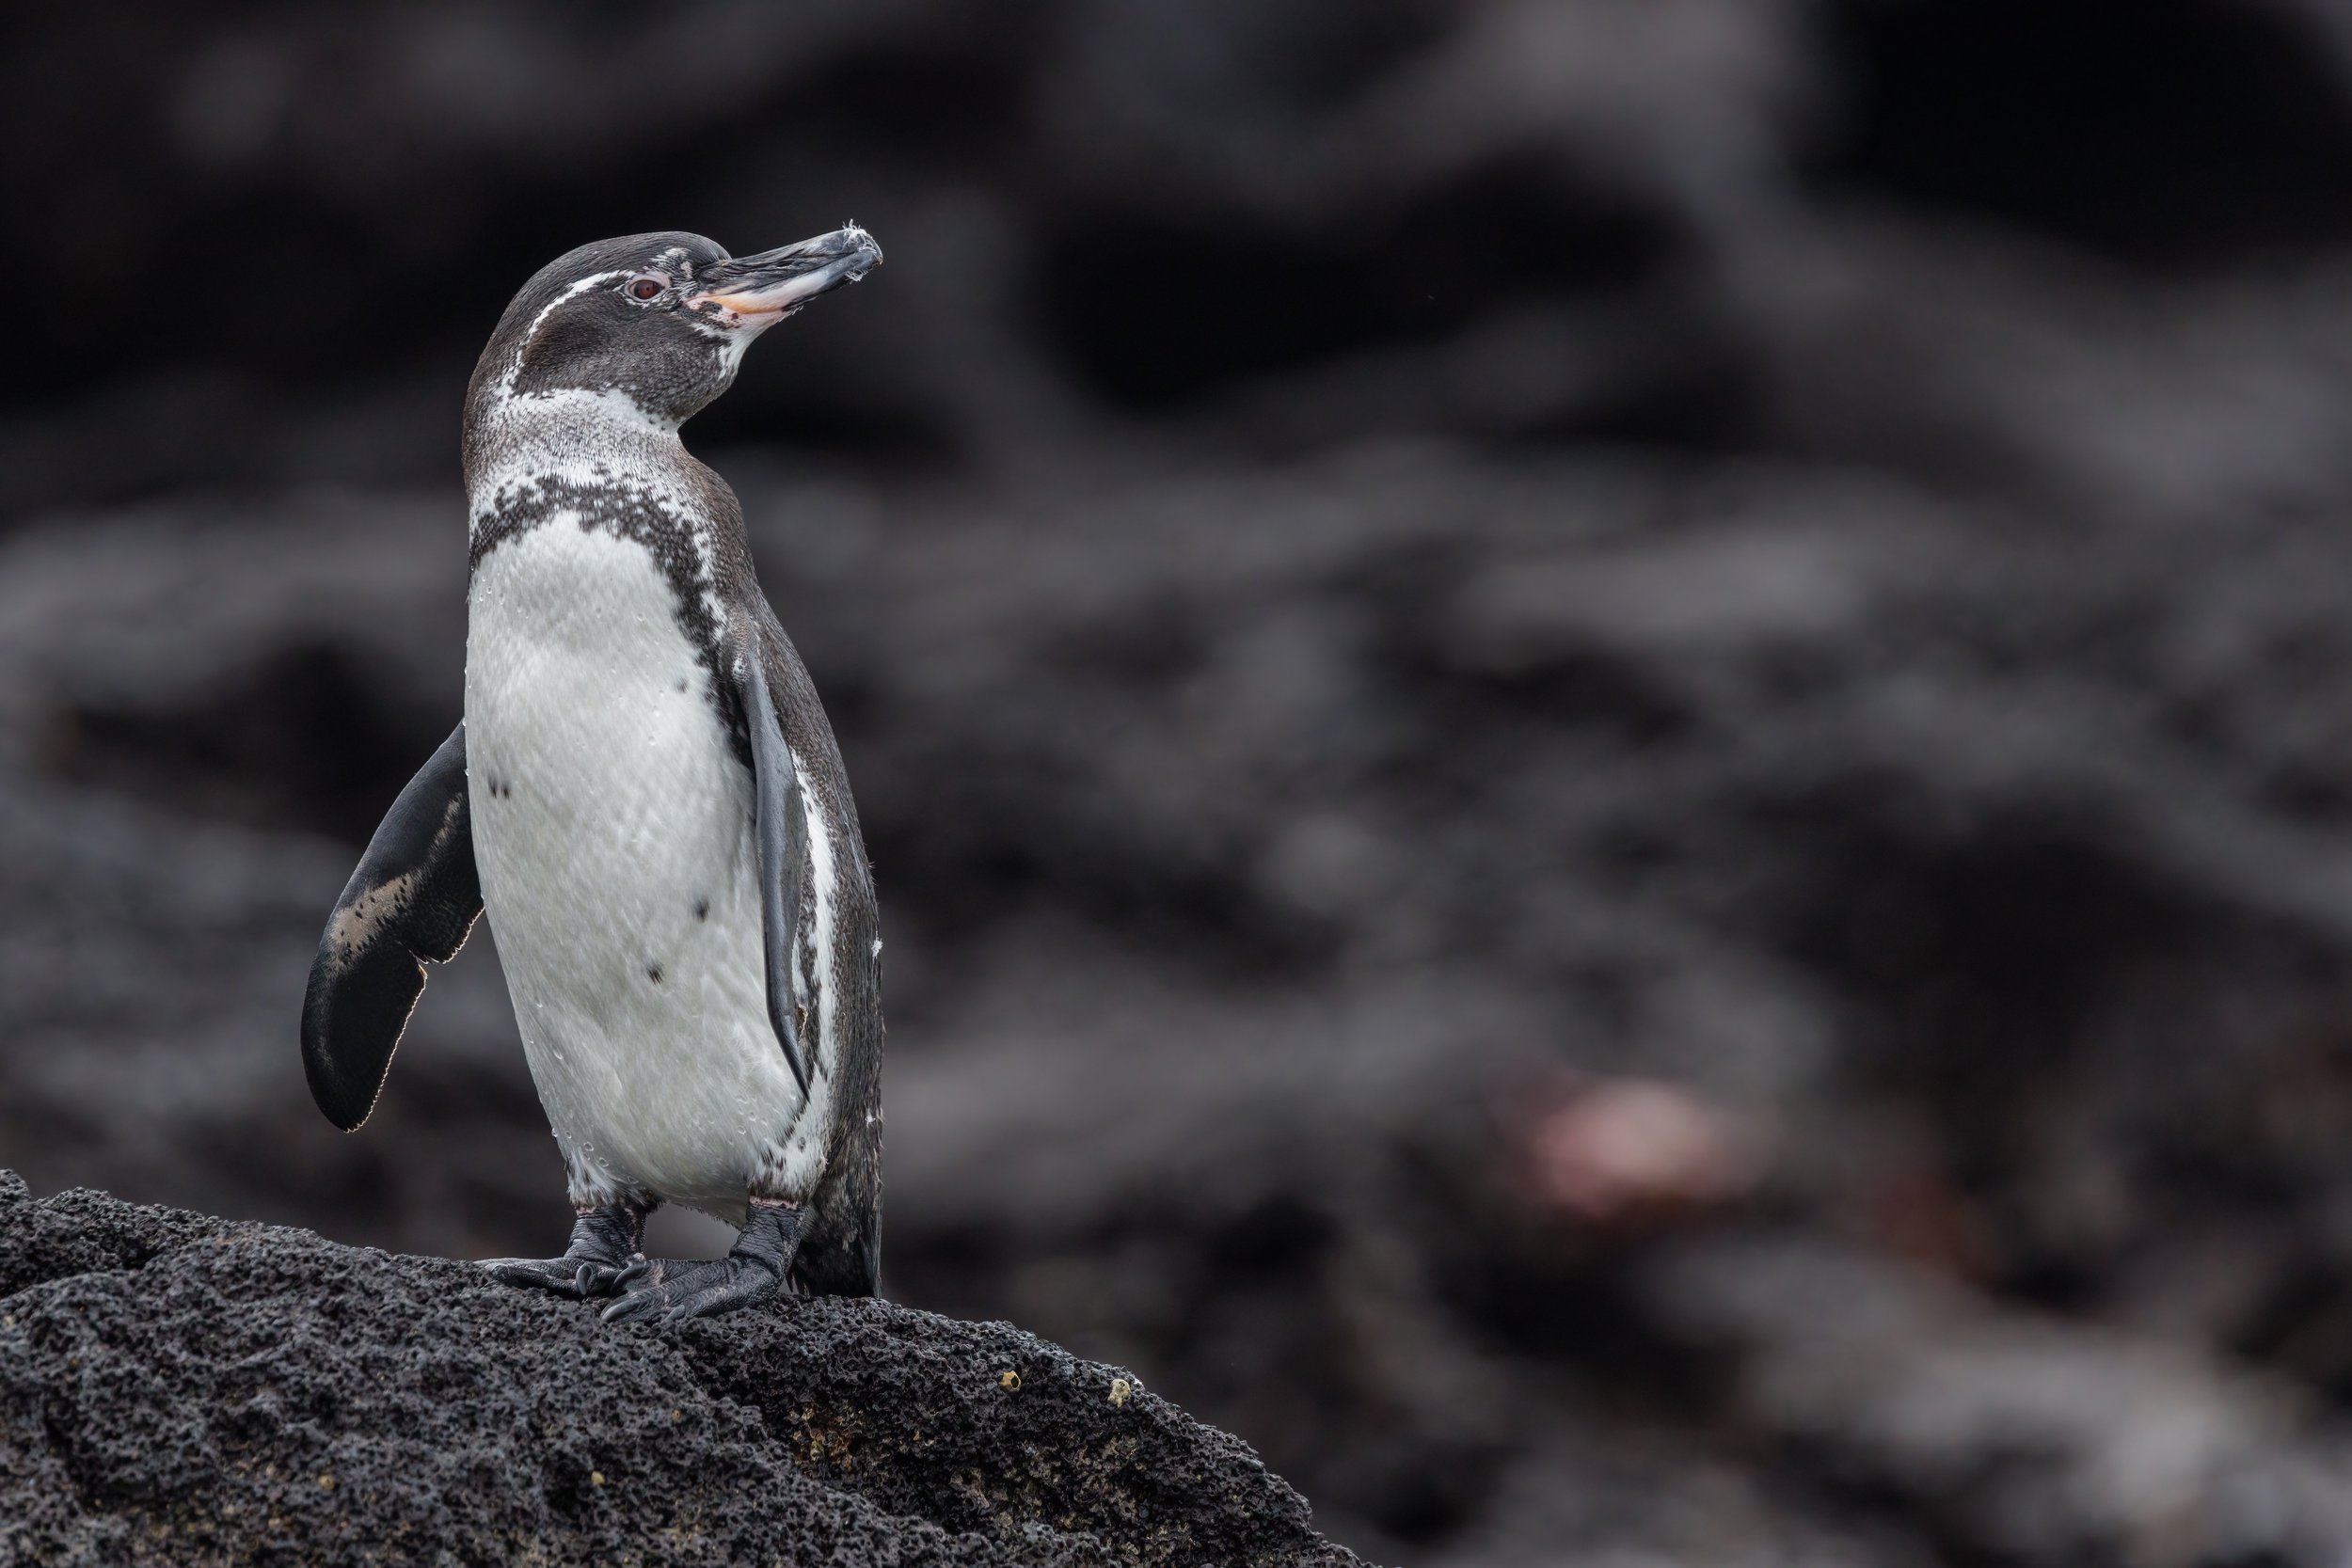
[(653, 973), (681, 683), (702, 909)]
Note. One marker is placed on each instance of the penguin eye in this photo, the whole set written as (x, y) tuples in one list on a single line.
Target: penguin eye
[(647, 288)]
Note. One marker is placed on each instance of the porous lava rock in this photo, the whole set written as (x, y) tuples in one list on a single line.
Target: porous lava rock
[(181, 1389)]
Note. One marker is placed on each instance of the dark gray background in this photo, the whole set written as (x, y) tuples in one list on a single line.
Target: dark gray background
[(1609, 743)]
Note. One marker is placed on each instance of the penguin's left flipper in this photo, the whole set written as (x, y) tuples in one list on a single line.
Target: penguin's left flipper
[(663, 1289), (414, 898), (783, 836)]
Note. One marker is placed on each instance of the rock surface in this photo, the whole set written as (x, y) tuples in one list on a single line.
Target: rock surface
[(179, 1389)]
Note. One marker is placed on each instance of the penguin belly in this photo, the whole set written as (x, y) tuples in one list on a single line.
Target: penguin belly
[(612, 829)]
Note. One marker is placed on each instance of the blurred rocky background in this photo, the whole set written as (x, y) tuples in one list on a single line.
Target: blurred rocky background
[(1610, 741)]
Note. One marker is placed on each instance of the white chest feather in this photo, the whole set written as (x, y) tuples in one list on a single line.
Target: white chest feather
[(614, 830)]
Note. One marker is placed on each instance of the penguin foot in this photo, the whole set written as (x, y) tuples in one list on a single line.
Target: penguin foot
[(663, 1289), (603, 1247)]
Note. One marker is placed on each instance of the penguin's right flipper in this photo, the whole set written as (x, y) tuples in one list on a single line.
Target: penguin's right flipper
[(414, 898), (783, 833)]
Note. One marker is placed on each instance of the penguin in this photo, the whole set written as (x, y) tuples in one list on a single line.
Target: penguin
[(646, 798)]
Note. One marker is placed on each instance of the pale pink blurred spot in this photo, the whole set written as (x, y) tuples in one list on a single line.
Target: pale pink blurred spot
[(1623, 1146)]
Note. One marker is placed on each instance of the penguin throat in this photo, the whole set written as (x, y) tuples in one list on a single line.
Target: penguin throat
[(516, 435), (559, 406)]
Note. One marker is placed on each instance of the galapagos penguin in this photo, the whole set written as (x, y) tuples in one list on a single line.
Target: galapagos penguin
[(646, 798)]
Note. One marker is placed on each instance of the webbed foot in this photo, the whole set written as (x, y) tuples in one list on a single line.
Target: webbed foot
[(662, 1290), (604, 1243)]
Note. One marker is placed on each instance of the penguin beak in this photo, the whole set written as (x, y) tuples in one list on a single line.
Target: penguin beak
[(762, 290)]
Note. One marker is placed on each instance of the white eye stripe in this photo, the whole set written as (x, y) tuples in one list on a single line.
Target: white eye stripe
[(574, 291)]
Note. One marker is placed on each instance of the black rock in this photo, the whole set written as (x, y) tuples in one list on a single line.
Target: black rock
[(175, 1388)]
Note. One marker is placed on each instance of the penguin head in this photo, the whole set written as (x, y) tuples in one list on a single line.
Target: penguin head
[(657, 322)]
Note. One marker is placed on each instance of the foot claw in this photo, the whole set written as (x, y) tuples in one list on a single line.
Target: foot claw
[(596, 1279), (633, 1308)]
